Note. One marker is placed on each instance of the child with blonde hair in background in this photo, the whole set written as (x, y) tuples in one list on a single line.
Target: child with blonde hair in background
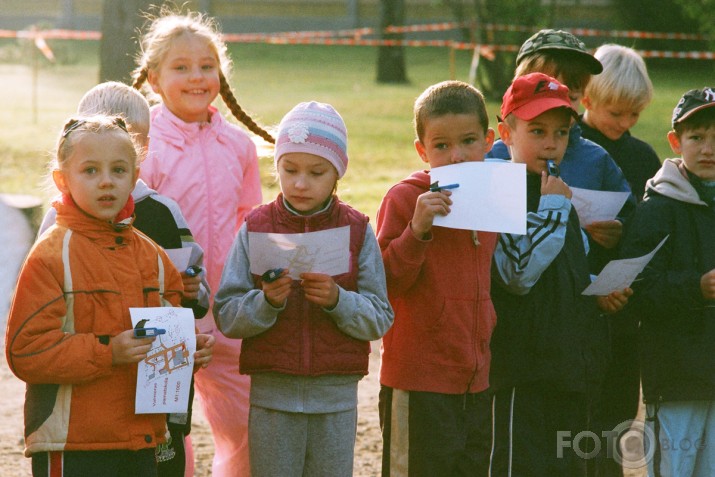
[(69, 332), (210, 167), (613, 101), (306, 341)]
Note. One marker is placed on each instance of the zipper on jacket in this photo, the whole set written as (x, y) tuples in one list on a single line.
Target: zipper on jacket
[(475, 333), (305, 311)]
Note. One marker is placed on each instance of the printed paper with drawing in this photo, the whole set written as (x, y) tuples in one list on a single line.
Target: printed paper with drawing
[(597, 205), (164, 377), (326, 251), (619, 274), (491, 196)]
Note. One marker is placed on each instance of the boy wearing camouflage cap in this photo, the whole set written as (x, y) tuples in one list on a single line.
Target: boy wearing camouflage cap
[(674, 295)]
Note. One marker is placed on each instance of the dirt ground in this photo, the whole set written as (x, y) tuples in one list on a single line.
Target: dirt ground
[(367, 450)]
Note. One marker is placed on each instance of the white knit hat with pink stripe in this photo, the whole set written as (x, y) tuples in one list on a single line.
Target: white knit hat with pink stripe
[(314, 128)]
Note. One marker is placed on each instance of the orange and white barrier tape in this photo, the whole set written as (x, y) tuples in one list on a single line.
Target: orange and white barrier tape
[(42, 45), (684, 55), (646, 35), (52, 34), (356, 37)]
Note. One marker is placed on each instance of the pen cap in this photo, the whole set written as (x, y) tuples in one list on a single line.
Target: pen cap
[(193, 270)]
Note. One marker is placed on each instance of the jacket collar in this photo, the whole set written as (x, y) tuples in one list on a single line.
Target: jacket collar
[(142, 191), (106, 234), (420, 179), (287, 215), (178, 132), (672, 181)]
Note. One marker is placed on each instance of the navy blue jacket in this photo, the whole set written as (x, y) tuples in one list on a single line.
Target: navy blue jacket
[(677, 332)]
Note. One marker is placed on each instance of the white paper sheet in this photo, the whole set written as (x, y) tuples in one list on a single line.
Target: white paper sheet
[(180, 257), (491, 196), (619, 274), (596, 205), (164, 376), (326, 251)]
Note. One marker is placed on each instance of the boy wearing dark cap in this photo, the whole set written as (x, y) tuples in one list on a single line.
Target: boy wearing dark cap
[(675, 295), (585, 164), (549, 344)]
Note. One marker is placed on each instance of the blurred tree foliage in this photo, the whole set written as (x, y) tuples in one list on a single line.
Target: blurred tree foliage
[(494, 76), (679, 16), (702, 13)]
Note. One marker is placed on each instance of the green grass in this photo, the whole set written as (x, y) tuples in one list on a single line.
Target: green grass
[(268, 81)]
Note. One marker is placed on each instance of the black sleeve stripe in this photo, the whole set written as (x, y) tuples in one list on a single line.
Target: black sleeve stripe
[(540, 234)]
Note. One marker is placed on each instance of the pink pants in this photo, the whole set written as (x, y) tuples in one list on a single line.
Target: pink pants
[(223, 396)]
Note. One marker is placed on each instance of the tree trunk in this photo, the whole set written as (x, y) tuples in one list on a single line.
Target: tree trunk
[(494, 76), (391, 59), (121, 20)]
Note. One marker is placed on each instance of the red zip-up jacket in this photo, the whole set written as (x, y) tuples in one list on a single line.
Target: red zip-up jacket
[(439, 290)]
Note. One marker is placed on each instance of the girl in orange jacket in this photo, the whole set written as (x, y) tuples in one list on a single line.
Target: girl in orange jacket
[(69, 333)]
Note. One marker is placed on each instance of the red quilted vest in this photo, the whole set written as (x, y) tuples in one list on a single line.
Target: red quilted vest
[(305, 340)]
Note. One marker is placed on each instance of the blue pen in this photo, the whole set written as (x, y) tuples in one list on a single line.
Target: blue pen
[(435, 187), (272, 275), (552, 168), (148, 332), (193, 270)]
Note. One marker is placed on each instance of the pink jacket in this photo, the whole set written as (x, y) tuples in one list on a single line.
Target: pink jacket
[(211, 170)]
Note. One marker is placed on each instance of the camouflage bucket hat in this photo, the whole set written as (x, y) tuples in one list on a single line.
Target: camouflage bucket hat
[(558, 40)]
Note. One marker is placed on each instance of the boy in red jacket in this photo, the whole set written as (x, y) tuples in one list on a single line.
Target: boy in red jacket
[(434, 411)]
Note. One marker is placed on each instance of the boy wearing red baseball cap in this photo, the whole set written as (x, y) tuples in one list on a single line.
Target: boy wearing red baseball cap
[(548, 347)]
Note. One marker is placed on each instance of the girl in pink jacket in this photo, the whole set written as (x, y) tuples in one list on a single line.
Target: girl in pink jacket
[(210, 167)]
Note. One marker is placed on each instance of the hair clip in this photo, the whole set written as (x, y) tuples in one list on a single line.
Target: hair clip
[(71, 126), (119, 121)]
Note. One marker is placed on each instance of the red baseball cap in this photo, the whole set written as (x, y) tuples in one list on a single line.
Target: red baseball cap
[(533, 94)]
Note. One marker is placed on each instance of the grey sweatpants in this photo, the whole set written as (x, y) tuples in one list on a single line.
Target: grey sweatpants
[(297, 444)]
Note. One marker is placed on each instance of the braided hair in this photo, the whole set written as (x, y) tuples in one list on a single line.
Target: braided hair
[(156, 42)]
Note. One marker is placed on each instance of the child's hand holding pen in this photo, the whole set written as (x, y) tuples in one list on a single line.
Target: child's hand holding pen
[(434, 202), (127, 349), (554, 185), (320, 289), (191, 278), (276, 285)]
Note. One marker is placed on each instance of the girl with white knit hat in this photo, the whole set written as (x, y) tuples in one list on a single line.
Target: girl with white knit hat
[(305, 340)]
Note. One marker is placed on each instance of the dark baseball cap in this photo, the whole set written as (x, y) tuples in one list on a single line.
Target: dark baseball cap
[(561, 40), (692, 102)]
